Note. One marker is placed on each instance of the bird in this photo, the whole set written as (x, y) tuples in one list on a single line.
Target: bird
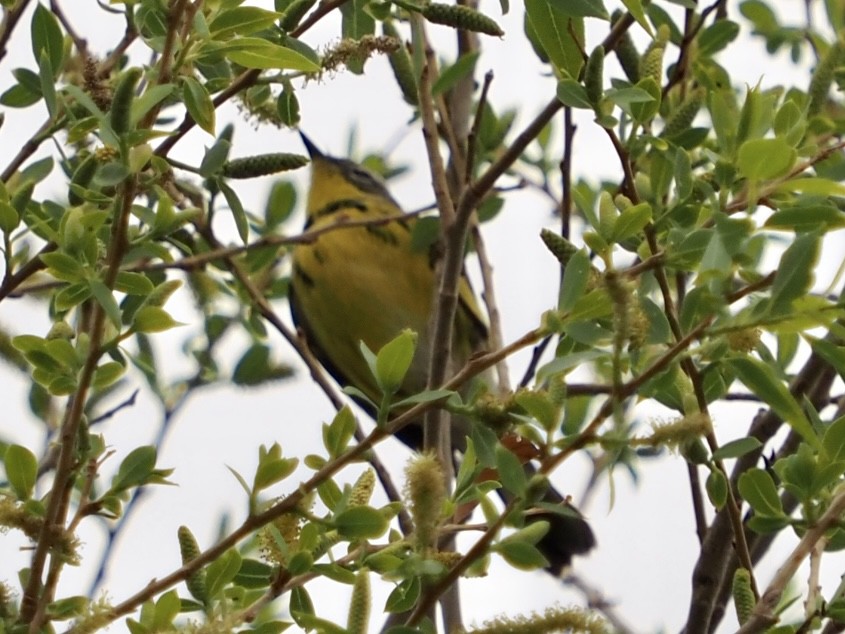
[(367, 283)]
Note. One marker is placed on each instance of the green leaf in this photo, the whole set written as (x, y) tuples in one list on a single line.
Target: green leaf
[(336, 436), (47, 37), (833, 441), (287, 105), (404, 596), (361, 522), (67, 608), (215, 157), (576, 276), (510, 471), (106, 300), (631, 221), (199, 104), (795, 272), (635, 7), (107, 374), (521, 555), (241, 21), (133, 283), (135, 469), (806, 217), (48, 85), (573, 94), (717, 36), (221, 572), (761, 380), (765, 159), (450, 75), (758, 489), (238, 213), (581, 8), (393, 361), (9, 217), (253, 52), (736, 448), (21, 470), (150, 319), (561, 37)]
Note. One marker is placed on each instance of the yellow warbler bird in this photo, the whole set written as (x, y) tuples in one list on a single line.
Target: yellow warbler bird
[(368, 283)]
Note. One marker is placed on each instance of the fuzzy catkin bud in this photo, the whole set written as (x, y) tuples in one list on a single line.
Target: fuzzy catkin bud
[(359, 605), (594, 76), (263, 165), (362, 490), (403, 70), (425, 488), (651, 63), (461, 17), (560, 247), (683, 116), (743, 595), (190, 550)]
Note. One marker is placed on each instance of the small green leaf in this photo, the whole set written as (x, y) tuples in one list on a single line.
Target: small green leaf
[(135, 469), (452, 74), (107, 374), (241, 21), (404, 596), (221, 572), (795, 273), (765, 159), (361, 522), (758, 489), (761, 380), (199, 104), (336, 436), (394, 360), (21, 470), (511, 472), (151, 319), (253, 52), (238, 213), (736, 448), (47, 37), (521, 555), (833, 441), (106, 300), (573, 94)]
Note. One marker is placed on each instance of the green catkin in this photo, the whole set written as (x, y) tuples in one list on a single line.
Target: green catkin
[(190, 550), (358, 619), (626, 52), (743, 595), (263, 165), (682, 117), (461, 17), (294, 13), (822, 78), (82, 177), (121, 105), (607, 214), (594, 76), (363, 488), (403, 69), (651, 63), (560, 247), (425, 489)]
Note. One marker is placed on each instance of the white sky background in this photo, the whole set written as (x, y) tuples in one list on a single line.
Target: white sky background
[(647, 544)]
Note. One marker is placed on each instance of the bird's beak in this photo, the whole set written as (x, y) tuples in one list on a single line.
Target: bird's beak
[(313, 151)]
